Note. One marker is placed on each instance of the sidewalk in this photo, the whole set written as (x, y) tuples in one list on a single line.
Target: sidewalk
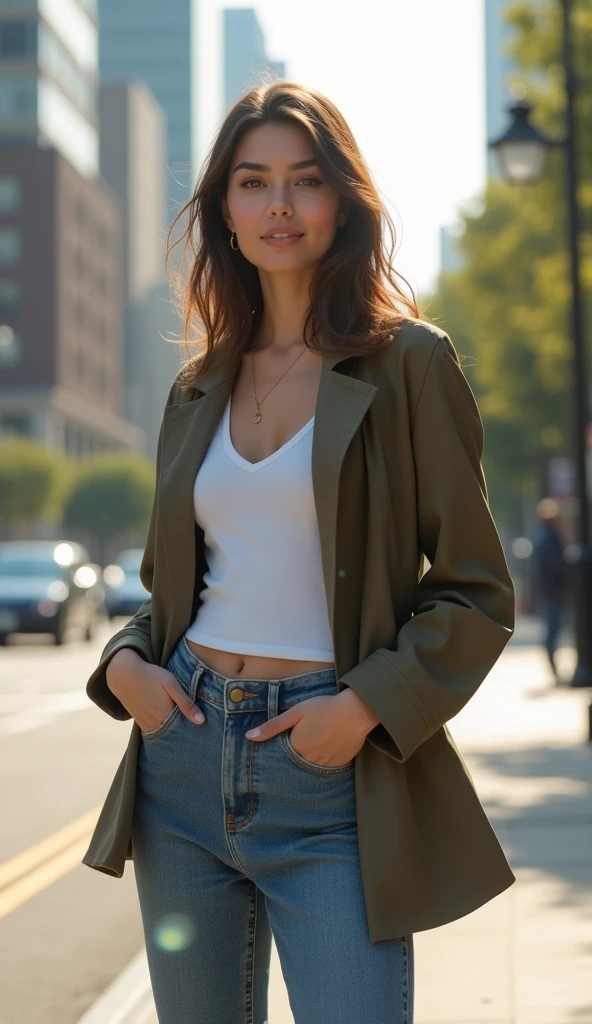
[(526, 956)]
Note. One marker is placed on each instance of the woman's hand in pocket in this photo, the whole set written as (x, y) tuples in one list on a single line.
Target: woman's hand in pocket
[(148, 691)]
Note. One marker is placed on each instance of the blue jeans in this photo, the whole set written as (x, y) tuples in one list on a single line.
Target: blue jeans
[(236, 840)]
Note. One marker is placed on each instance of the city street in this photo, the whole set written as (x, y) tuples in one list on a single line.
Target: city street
[(65, 931), (71, 938)]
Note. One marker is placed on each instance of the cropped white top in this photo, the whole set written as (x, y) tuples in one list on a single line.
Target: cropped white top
[(264, 592)]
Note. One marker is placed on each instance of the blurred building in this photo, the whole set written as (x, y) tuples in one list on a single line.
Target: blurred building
[(60, 238), (500, 72), (132, 159), (157, 42), (246, 63), (48, 78), (450, 257)]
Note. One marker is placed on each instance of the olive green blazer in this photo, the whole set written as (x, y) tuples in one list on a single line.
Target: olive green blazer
[(396, 471)]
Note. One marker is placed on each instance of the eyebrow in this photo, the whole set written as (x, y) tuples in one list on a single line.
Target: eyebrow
[(250, 166)]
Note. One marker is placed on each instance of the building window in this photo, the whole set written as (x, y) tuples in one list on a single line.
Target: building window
[(10, 348), (10, 193), (18, 100), (18, 40), (10, 246), (9, 296), (15, 423)]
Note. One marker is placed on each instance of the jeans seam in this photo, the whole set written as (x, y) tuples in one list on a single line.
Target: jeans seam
[(251, 933), (236, 825), (406, 980)]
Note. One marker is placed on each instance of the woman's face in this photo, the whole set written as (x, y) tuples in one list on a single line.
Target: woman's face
[(267, 192)]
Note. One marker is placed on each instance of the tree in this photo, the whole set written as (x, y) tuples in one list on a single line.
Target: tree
[(111, 498), (33, 478), (508, 307)]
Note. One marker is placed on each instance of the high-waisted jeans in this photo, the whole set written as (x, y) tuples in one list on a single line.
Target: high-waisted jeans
[(236, 840)]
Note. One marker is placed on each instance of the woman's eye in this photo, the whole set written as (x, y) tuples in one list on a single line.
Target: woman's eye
[(256, 181)]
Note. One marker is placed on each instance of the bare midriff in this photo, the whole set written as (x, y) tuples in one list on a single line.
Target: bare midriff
[(253, 666)]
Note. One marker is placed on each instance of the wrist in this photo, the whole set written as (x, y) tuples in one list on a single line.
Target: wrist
[(364, 713), (123, 661)]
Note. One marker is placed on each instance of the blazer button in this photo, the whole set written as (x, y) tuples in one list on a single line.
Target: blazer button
[(236, 694)]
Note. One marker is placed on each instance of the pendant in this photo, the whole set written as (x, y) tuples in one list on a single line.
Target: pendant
[(257, 415)]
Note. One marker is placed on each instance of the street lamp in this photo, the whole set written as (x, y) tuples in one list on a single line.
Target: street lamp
[(522, 153)]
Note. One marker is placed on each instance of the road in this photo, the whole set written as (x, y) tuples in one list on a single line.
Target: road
[(65, 930)]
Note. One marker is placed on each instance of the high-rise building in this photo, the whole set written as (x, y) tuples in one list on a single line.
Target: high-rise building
[(48, 78), (60, 238), (450, 257), (60, 305), (157, 42), (133, 146), (246, 62)]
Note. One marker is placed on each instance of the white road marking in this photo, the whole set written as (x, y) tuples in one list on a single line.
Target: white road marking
[(21, 712)]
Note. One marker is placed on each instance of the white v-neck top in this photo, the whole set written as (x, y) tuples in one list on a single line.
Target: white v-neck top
[(263, 589)]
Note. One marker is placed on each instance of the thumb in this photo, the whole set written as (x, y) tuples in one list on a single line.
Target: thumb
[(180, 696)]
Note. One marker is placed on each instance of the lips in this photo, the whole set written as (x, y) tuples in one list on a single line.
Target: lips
[(282, 231)]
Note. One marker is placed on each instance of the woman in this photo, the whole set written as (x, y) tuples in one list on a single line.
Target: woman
[(289, 770)]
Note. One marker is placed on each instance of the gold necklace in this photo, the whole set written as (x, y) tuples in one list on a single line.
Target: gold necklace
[(257, 416)]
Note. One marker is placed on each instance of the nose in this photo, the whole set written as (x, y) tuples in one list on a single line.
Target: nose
[(279, 205)]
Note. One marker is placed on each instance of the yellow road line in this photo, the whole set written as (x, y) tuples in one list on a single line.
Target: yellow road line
[(35, 869)]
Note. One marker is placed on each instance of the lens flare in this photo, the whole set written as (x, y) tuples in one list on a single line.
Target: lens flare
[(174, 933)]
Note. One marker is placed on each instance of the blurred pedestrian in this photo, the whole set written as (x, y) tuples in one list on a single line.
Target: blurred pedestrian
[(549, 576)]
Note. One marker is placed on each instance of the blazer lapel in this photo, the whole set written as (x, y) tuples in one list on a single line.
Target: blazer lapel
[(342, 401)]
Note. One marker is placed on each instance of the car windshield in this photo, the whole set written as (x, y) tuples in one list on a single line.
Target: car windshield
[(29, 567)]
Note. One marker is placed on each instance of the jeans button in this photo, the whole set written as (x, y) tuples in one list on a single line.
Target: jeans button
[(236, 694)]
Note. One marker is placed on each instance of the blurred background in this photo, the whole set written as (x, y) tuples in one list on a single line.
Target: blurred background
[(107, 109)]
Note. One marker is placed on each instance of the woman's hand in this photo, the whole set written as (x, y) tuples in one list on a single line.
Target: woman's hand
[(147, 691), (329, 731)]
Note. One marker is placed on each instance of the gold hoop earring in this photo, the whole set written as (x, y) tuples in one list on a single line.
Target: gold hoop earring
[(234, 247)]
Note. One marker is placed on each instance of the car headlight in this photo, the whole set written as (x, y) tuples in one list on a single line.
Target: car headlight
[(85, 577), (57, 591)]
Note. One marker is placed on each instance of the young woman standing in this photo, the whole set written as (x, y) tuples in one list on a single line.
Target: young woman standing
[(289, 770)]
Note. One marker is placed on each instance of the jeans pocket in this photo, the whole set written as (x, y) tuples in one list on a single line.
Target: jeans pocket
[(189, 682), (164, 726), (310, 766)]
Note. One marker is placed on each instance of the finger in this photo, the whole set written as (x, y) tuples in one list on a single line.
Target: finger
[(188, 707), (273, 726)]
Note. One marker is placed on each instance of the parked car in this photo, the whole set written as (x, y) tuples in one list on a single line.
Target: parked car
[(124, 590), (48, 587)]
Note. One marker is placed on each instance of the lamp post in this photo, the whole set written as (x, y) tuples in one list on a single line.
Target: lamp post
[(522, 152)]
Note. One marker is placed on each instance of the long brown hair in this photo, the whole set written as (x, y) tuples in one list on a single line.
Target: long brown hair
[(355, 290)]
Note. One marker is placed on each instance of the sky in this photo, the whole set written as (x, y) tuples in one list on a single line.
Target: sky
[(409, 78)]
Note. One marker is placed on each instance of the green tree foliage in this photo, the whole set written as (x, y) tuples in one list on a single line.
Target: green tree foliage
[(33, 478), (111, 496), (508, 307)]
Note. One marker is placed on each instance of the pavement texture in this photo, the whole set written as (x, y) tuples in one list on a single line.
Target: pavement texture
[(526, 956)]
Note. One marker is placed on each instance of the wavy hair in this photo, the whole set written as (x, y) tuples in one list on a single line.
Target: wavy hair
[(356, 301)]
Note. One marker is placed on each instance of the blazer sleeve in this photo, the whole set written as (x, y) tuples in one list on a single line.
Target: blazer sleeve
[(464, 610), (137, 632)]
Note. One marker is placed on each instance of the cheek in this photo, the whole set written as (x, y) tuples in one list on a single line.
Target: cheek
[(319, 212)]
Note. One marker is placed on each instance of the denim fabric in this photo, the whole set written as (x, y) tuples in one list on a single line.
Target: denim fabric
[(236, 840)]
